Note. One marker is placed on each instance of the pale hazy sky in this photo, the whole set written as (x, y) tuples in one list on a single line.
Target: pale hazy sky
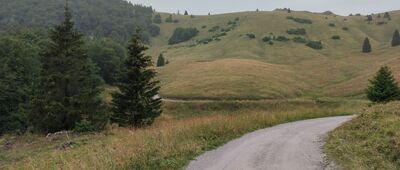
[(341, 7)]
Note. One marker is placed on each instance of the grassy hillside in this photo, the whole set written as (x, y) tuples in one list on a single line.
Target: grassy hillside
[(237, 66), (370, 141)]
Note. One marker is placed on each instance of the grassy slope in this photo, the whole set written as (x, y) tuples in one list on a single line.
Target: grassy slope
[(239, 67), (175, 138), (370, 141)]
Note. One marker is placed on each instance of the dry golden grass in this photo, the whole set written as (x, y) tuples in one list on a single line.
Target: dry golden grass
[(239, 67), (168, 144)]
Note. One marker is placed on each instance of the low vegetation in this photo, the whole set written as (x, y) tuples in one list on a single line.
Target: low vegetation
[(297, 31), (299, 40), (336, 37), (370, 141), (185, 131), (299, 20)]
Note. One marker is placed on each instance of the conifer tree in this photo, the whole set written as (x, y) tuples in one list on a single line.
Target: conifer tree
[(157, 19), (383, 88), (68, 88), (186, 13), (386, 15), (160, 60), (137, 102), (366, 46), (396, 38)]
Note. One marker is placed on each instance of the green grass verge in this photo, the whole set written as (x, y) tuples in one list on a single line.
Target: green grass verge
[(370, 141)]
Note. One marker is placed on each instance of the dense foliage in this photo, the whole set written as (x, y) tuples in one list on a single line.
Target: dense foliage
[(99, 18), (182, 35), (107, 55), (366, 48), (251, 35), (68, 89), (137, 102), (383, 88), (19, 66)]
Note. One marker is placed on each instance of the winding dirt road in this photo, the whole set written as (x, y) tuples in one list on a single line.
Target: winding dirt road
[(291, 146)]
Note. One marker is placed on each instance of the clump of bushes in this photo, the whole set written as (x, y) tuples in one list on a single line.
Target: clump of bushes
[(251, 35), (204, 26), (205, 40), (315, 44), (299, 40), (345, 28), (282, 38), (299, 20), (219, 35), (267, 39), (297, 31), (336, 37), (213, 29), (182, 35), (332, 24)]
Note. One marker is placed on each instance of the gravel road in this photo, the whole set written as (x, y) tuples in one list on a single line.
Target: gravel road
[(290, 146)]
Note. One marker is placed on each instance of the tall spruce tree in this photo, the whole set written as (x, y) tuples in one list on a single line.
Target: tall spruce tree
[(160, 60), (396, 38), (137, 102), (68, 88), (383, 88), (186, 13), (366, 48)]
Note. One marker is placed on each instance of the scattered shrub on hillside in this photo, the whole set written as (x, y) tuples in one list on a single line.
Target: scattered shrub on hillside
[(336, 37), (157, 19), (271, 43), (267, 39), (213, 29), (300, 20), (297, 31), (299, 40), (219, 35), (169, 19), (203, 27), (387, 16), (176, 21), (160, 60), (396, 38), (237, 19), (369, 18), (345, 28), (381, 23), (205, 40), (281, 38), (332, 24), (182, 35), (383, 88), (366, 48), (251, 35), (315, 45)]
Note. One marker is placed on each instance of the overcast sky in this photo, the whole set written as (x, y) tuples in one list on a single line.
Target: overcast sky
[(341, 7)]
